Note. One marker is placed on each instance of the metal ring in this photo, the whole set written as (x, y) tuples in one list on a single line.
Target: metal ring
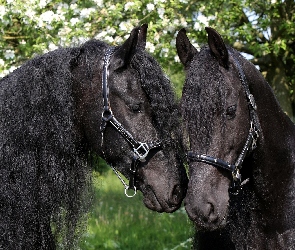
[(130, 196)]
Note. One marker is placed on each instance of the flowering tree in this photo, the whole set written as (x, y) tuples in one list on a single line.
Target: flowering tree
[(264, 29), (37, 26)]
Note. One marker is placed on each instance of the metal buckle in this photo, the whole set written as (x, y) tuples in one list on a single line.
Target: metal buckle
[(142, 151), (236, 175)]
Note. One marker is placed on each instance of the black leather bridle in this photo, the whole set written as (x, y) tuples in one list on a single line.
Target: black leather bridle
[(250, 143), (140, 149)]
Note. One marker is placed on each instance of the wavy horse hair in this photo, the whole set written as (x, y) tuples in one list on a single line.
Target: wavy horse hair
[(237, 132), (50, 116)]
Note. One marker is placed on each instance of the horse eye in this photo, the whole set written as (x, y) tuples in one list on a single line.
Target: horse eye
[(136, 108), (231, 112)]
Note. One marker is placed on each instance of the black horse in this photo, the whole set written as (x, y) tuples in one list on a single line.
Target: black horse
[(55, 115), (241, 192)]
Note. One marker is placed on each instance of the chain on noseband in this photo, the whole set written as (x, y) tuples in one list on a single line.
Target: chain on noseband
[(250, 143), (140, 149)]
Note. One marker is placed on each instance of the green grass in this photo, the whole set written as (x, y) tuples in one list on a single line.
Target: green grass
[(118, 222)]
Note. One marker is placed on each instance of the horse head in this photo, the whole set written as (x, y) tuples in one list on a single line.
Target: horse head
[(139, 114), (216, 113)]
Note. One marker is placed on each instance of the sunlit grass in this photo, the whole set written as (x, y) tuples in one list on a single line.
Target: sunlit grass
[(118, 222)]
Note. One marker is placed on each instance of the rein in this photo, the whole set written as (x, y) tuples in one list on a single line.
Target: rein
[(140, 149), (251, 141)]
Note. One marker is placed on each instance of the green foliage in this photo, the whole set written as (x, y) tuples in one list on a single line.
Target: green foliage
[(118, 222), (99, 164), (264, 29)]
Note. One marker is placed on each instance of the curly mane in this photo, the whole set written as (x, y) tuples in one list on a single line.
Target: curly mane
[(202, 100), (44, 174), (162, 99)]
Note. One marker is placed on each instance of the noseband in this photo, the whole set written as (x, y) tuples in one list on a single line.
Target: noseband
[(250, 143), (140, 149)]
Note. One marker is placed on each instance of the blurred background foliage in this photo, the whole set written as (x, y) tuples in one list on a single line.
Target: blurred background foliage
[(262, 29)]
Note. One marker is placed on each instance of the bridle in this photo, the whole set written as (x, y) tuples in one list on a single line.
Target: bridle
[(250, 144), (140, 149)]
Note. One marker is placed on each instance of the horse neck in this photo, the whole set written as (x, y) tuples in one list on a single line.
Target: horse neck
[(87, 89), (274, 158)]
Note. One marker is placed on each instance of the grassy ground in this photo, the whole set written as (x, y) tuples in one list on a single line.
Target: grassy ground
[(118, 222)]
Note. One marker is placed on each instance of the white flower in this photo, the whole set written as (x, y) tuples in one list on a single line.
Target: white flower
[(183, 22), (197, 26), (118, 40), (87, 26), (64, 31), (13, 68), (111, 30), (161, 12), (42, 3), (101, 35), (128, 6), (86, 12), (175, 22), (112, 7), (9, 54), (30, 14), (74, 20), (47, 16), (196, 45), (150, 7), (109, 39), (2, 11), (156, 37), (62, 9), (150, 47), (2, 63), (99, 3), (126, 26), (52, 46), (73, 6), (4, 73), (164, 52), (176, 59), (203, 19)]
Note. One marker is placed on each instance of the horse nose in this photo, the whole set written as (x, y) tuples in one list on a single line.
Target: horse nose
[(200, 211), (176, 195), (210, 212), (190, 208)]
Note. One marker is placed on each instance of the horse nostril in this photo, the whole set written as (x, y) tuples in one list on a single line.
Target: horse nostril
[(176, 195), (212, 216)]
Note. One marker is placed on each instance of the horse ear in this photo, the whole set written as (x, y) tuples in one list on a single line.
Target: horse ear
[(217, 46), (142, 36), (125, 52), (185, 50)]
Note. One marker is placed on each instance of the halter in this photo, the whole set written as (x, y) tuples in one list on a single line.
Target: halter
[(251, 141), (140, 149)]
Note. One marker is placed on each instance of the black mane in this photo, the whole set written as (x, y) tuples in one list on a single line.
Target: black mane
[(162, 99), (43, 168), (203, 99)]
